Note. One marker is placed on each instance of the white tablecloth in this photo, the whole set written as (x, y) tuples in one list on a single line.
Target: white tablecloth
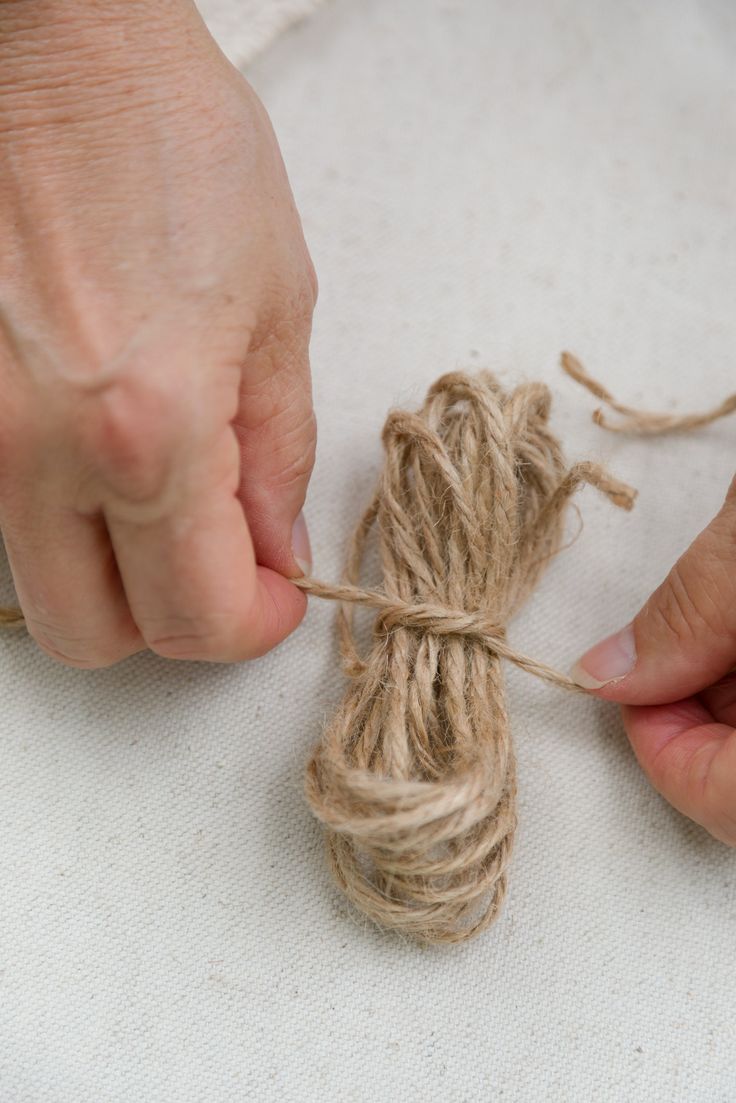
[(482, 184)]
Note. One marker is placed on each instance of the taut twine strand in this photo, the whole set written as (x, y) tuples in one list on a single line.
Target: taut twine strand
[(414, 779)]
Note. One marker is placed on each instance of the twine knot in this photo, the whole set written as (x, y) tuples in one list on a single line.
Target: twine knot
[(439, 621)]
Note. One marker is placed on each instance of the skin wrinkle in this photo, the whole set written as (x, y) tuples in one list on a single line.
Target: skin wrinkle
[(29, 105), (679, 614), (712, 586)]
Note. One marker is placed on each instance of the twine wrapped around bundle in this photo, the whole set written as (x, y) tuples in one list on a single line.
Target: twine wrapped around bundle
[(414, 778)]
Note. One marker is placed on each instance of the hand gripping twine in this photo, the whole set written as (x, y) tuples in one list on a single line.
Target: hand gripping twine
[(414, 779)]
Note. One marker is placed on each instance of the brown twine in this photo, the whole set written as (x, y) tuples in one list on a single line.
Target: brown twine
[(415, 778), (11, 618), (638, 421)]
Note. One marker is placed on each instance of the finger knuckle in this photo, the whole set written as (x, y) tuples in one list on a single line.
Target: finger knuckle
[(128, 434), (294, 456), (673, 608), (285, 321), (82, 654), (209, 638), (20, 441), (276, 410)]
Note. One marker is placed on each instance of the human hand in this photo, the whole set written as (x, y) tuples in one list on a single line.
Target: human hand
[(673, 670), (156, 298)]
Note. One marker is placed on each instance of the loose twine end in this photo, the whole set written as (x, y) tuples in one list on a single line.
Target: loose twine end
[(639, 421), (11, 618)]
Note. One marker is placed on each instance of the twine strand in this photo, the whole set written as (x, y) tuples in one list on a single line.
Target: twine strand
[(438, 620), (639, 421)]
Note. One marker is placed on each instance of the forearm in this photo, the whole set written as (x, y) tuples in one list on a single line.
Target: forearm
[(58, 56), (21, 17)]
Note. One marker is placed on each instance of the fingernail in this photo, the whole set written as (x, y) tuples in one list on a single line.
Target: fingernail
[(609, 660), (300, 546)]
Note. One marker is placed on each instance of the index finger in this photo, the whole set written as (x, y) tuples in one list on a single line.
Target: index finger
[(191, 578)]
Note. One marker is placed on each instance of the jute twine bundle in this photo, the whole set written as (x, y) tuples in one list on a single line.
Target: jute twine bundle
[(414, 779)]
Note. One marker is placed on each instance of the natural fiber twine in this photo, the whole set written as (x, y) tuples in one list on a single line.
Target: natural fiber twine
[(414, 779), (639, 421)]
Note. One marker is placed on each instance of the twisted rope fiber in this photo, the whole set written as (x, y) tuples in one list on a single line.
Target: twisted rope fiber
[(641, 421), (414, 778)]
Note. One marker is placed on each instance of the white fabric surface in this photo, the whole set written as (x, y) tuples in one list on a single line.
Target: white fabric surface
[(245, 27), (481, 184)]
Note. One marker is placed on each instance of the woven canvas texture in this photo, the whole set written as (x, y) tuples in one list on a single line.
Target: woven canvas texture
[(244, 28), (481, 184)]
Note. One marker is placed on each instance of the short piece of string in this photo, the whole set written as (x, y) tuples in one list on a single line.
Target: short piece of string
[(641, 421)]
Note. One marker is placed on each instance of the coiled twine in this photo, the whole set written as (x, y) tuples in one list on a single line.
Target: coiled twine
[(414, 779)]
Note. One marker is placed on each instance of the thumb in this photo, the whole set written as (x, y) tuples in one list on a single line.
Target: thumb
[(276, 432), (684, 638)]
